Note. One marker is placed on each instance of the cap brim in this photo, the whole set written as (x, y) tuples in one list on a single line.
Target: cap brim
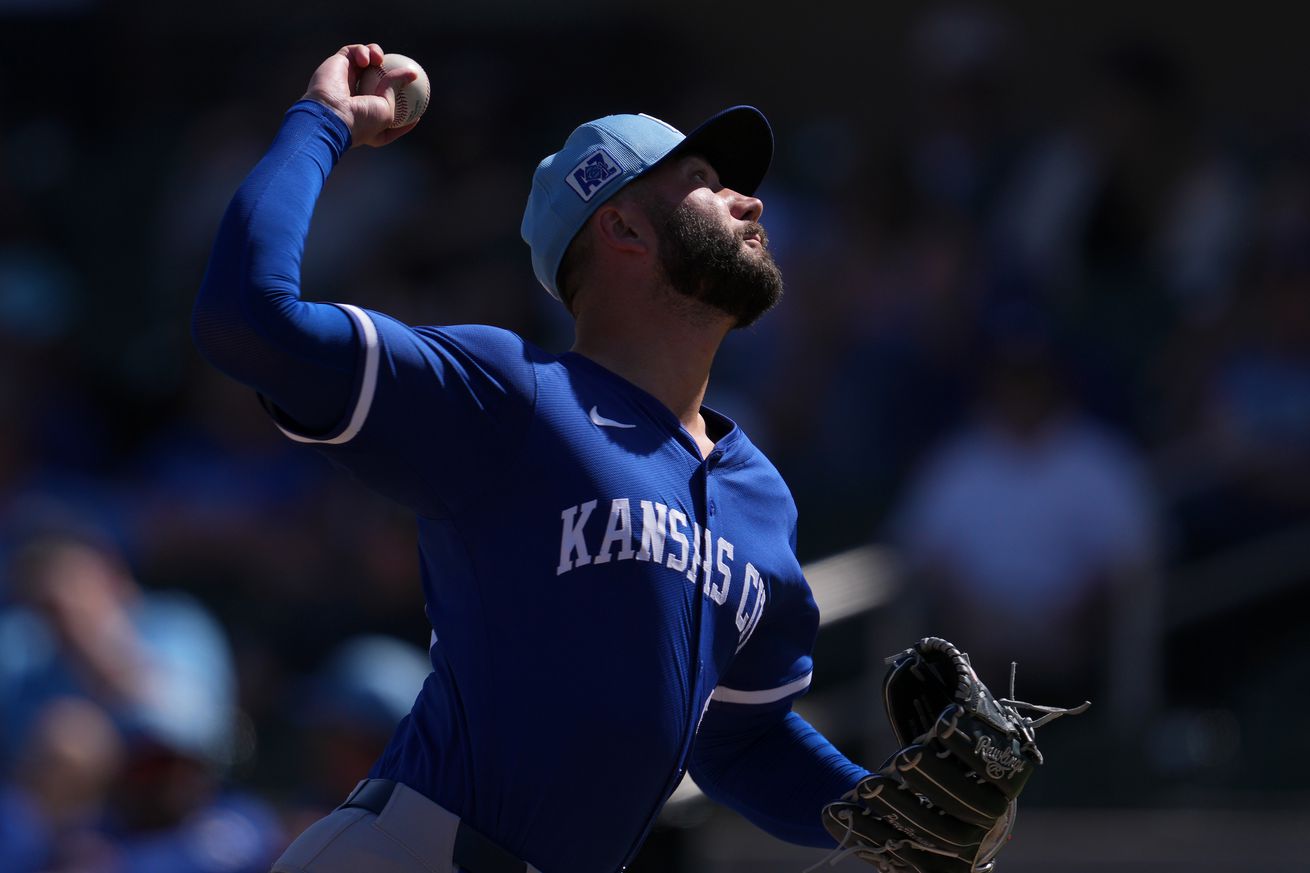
[(738, 143)]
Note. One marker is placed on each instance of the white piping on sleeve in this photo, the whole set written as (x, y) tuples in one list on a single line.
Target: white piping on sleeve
[(769, 695), (368, 386)]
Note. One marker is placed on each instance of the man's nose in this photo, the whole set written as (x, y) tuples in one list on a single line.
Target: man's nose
[(746, 208)]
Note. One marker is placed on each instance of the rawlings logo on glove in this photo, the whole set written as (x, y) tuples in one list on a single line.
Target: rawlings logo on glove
[(1001, 763), (946, 801)]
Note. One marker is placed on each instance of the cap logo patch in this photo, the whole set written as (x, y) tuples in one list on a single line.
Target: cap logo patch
[(596, 170)]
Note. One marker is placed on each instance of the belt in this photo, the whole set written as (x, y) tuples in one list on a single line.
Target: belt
[(473, 852)]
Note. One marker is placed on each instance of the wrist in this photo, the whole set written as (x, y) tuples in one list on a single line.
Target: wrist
[(329, 120), (339, 109)]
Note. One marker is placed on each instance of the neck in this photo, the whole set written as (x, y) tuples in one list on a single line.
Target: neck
[(659, 349)]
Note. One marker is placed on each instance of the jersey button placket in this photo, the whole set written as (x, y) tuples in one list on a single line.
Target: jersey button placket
[(710, 464)]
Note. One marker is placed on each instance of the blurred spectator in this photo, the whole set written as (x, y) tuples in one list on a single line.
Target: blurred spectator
[(160, 668), (1131, 190), (170, 814), (71, 632), (345, 716), (1244, 470), (1125, 218), (57, 794), (1021, 527), (899, 374)]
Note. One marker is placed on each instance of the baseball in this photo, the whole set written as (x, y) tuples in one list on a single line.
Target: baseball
[(411, 100)]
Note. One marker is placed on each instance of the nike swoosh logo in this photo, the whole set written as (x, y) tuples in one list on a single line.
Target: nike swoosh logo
[(601, 421)]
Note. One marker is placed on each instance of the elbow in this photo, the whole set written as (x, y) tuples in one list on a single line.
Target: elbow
[(229, 317), (217, 332), (207, 334), (211, 349), (204, 342)]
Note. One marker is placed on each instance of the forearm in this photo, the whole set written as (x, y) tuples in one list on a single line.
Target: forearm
[(249, 320), (777, 772)]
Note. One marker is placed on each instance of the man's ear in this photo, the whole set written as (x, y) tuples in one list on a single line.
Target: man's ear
[(622, 225)]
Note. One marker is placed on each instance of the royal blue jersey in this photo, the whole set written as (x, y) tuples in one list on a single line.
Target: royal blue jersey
[(597, 589)]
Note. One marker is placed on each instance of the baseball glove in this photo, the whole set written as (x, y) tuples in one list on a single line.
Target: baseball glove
[(944, 803)]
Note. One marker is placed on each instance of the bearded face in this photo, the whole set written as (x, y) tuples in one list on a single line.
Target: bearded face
[(710, 262)]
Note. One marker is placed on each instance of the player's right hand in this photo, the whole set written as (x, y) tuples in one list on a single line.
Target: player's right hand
[(368, 117)]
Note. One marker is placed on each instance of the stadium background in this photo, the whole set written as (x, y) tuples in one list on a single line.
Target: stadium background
[(1048, 276)]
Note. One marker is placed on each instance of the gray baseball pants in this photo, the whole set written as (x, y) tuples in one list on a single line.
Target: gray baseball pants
[(387, 827)]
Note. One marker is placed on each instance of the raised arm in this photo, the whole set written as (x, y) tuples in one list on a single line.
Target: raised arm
[(249, 320)]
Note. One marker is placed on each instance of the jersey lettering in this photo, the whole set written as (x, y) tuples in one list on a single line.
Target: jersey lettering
[(619, 530), (693, 566), (752, 582), (719, 592), (746, 626), (652, 532), (695, 551), (677, 519), (571, 539)]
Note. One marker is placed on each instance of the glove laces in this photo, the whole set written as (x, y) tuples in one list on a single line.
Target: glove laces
[(1051, 712)]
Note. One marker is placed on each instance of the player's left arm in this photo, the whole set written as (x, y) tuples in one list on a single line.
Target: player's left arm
[(773, 767), (752, 753)]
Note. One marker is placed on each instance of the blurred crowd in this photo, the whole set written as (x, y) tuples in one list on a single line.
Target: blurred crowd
[(1054, 358)]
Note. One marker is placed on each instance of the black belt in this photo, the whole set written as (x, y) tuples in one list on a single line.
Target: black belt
[(473, 853)]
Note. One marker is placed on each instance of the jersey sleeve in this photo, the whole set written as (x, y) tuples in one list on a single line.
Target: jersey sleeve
[(428, 416), (775, 665), (437, 416), (773, 768), (249, 320), (752, 752)]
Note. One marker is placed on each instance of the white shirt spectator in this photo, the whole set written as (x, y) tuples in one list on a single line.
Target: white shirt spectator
[(1022, 534)]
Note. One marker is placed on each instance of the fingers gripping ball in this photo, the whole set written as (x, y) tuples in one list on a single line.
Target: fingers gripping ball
[(946, 802), (411, 100)]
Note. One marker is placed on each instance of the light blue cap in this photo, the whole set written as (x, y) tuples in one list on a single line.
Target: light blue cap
[(602, 156)]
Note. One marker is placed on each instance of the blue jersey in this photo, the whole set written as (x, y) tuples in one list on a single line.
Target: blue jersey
[(592, 581), (600, 594)]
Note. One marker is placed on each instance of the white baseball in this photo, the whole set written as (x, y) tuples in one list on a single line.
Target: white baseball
[(411, 100)]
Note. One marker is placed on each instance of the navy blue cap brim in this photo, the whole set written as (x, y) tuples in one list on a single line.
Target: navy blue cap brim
[(738, 143)]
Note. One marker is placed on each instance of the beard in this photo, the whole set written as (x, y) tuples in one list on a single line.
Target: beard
[(709, 263)]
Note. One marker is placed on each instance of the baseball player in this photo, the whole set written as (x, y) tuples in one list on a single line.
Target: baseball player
[(609, 566)]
